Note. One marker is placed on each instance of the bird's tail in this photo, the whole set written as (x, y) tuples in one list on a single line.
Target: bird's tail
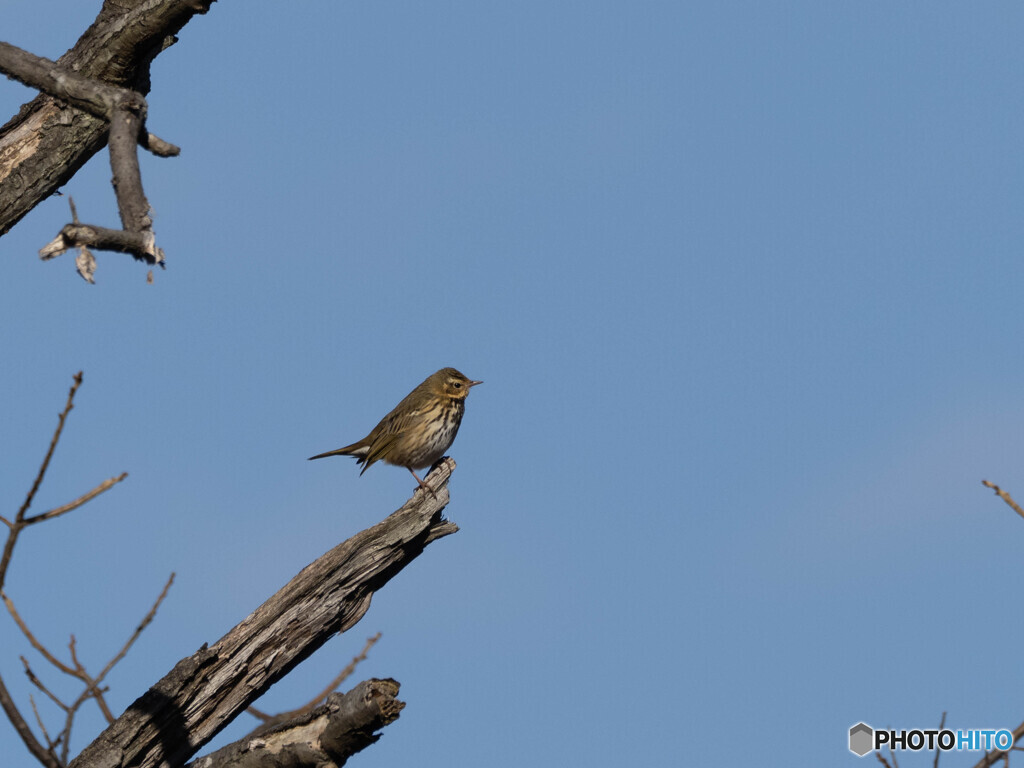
[(356, 450)]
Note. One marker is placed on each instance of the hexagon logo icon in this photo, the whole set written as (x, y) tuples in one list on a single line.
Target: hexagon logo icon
[(861, 739)]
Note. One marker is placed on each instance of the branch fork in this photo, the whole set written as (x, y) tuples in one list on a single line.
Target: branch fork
[(124, 110)]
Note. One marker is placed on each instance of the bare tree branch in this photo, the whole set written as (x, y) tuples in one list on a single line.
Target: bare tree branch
[(942, 725), (46, 460), (106, 485), (124, 110), (46, 755), (135, 635), (43, 651), (1004, 496), (34, 679), (14, 530), (327, 735), (50, 743), (92, 685), (88, 94), (38, 751), (205, 691), (93, 95)]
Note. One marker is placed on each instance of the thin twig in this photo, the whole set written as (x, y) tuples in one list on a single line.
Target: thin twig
[(32, 638), (92, 688), (50, 743), (344, 674), (97, 694), (942, 725), (39, 752), (47, 755), (106, 485), (138, 630), (14, 529), (1004, 496), (322, 696), (66, 734), (72, 650), (34, 679), (53, 446), (19, 519), (260, 715)]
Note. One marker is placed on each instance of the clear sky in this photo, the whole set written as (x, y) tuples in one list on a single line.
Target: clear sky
[(743, 282)]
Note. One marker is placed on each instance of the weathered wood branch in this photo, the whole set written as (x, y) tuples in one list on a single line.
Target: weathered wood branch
[(101, 238), (93, 95), (328, 735), (205, 691)]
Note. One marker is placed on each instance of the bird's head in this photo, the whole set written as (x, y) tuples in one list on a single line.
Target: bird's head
[(450, 383)]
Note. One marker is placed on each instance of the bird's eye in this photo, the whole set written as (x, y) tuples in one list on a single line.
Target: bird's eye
[(457, 384)]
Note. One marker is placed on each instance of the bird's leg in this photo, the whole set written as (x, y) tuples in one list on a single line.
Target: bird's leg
[(423, 485)]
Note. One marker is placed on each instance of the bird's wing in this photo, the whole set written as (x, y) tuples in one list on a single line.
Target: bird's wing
[(387, 432), (398, 421), (379, 449)]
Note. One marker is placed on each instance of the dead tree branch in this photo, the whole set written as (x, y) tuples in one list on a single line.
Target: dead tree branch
[(21, 519), (205, 691), (124, 111), (1004, 496), (131, 641), (92, 686), (94, 95), (44, 755), (994, 756), (38, 751), (327, 735)]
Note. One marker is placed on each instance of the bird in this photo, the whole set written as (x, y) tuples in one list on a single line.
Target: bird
[(416, 434)]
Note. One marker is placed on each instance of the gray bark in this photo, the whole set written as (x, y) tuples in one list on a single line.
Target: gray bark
[(205, 691), (44, 145), (327, 736)]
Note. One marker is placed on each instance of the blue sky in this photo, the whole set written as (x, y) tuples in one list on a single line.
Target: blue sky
[(743, 282)]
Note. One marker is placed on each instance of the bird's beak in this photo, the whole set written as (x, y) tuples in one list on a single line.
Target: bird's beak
[(474, 383)]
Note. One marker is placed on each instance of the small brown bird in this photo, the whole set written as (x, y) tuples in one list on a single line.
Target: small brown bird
[(416, 434)]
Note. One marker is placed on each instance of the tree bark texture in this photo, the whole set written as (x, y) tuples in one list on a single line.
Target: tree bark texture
[(205, 691), (327, 736), (48, 141)]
